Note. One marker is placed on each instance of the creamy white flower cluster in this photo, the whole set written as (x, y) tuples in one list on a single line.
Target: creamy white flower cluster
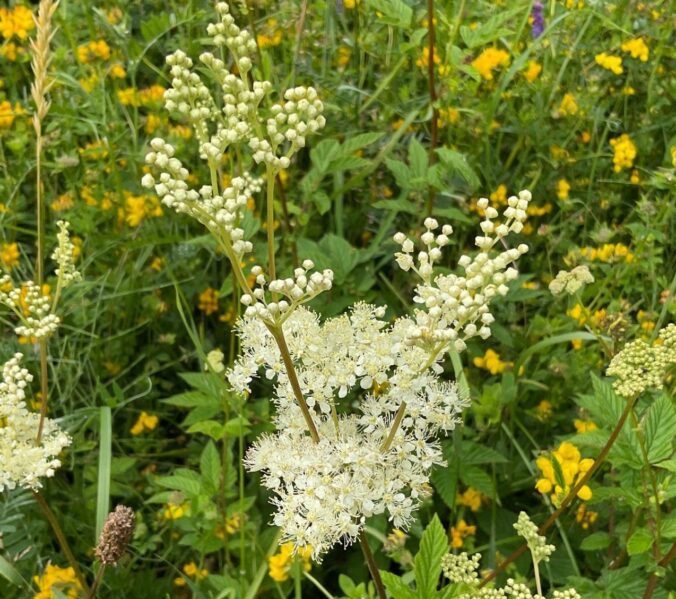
[(640, 366), (32, 308), (63, 255), (325, 491), (571, 281), (457, 307), (297, 290), (461, 567), (22, 462), (354, 352), (219, 213)]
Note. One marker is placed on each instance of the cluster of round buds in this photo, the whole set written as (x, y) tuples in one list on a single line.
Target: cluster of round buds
[(537, 544), (227, 33), (171, 187), (63, 256), (15, 380), (188, 95), (456, 307), (426, 259), (297, 290), (515, 214), (300, 115), (33, 308)]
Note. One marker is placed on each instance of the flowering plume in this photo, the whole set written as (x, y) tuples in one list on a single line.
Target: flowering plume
[(377, 458)]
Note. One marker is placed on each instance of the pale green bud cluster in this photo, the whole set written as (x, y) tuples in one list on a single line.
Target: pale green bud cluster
[(461, 567), (639, 366), (536, 543), (571, 281), (63, 256)]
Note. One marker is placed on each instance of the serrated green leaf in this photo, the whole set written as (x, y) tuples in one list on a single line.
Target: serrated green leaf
[(357, 142), (236, 426), (457, 162), (323, 153), (473, 476), (396, 586), (190, 399), (401, 172), (475, 453), (433, 546), (208, 427), (595, 541), (210, 466), (640, 542), (417, 159), (394, 12), (659, 424), (445, 481), (342, 255), (183, 480)]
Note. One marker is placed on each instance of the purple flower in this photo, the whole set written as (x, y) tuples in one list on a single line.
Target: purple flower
[(538, 19)]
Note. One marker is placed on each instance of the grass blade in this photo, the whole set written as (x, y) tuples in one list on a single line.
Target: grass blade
[(105, 459)]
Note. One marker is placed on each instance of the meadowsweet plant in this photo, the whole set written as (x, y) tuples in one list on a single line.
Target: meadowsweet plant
[(25, 459), (360, 401)]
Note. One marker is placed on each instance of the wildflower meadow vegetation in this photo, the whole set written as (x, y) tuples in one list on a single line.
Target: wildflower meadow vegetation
[(346, 299)]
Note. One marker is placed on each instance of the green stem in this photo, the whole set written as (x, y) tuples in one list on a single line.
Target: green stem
[(97, 581), (270, 220), (372, 566), (61, 538), (293, 380)]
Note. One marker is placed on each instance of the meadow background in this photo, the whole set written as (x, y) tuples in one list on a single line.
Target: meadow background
[(572, 100)]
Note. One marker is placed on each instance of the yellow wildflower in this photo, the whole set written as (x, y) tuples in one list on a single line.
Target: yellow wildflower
[(470, 498), (532, 71), (424, 61), (153, 121), (174, 511), (89, 83), (585, 137), (489, 60), (191, 570), (568, 106), (94, 50), (280, 563), (459, 532), (10, 51), (63, 202), (562, 189), (637, 48), (624, 152), (608, 252), (55, 578), (584, 426), (9, 255), (350, 4), (448, 116), (499, 196), (208, 301), (8, 114), (271, 35), (543, 411), (491, 361), (343, 56), (16, 22), (117, 71), (230, 527), (610, 63), (114, 15), (585, 517), (145, 423), (562, 471)]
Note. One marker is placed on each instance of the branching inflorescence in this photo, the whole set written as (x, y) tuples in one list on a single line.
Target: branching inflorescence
[(376, 458), (24, 460)]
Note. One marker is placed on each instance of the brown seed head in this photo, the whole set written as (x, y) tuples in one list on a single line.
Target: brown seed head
[(115, 536)]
